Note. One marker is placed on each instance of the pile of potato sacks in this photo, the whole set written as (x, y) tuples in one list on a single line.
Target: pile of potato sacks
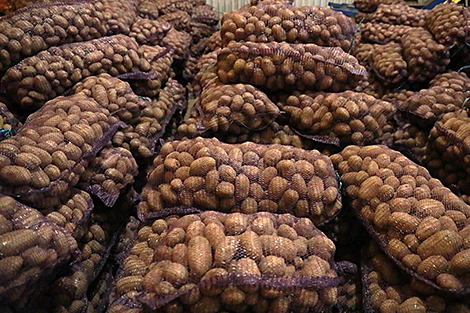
[(321, 165)]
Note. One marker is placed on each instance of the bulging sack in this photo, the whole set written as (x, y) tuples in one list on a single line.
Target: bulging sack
[(212, 262), (30, 246), (246, 178), (420, 224), (278, 66)]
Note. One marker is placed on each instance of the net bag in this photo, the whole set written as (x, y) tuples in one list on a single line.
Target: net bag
[(51, 151), (248, 178), (431, 104), (415, 219), (388, 289), (278, 66), (448, 149), (448, 22), (149, 32), (388, 64), (50, 73), (225, 109), (425, 57), (30, 247), (293, 24), (216, 262), (369, 6), (382, 33), (112, 170), (399, 14), (337, 118)]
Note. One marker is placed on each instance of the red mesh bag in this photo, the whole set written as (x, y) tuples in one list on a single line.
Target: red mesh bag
[(248, 178), (388, 289), (448, 149), (149, 32), (50, 73), (400, 14), (430, 104), (458, 81), (51, 151), (382, 33), (388, 64), (220, 262), (286, 23), (226, 109), (418, 222), (40, 26), (31, 246), (279, 66), (425, 57), (448, 22), (337, 118)]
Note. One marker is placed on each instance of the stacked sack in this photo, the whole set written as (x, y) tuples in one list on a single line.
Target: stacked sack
[(91, 87), (111, 201)]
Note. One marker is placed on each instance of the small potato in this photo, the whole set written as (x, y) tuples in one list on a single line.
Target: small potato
[(272, 265)]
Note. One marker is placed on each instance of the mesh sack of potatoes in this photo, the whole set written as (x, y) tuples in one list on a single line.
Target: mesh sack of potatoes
[(50, 73), (26, 32), (149, 32), (196, 51), (145, 118), (294, 24), (425, 57), (398, 97), (142, 138), (72, 211), (430, 104), (205, 14), (216, 262), (8, 122), (419, 223), (448, 150), (363, 52), (180, 20), (400, 14), (273, 133), (179, 42), (210, 175), (278, 66), (458, 81), (50, 152), (229, 108), (147, 9), (409, 138), (206, 77), (337, 118), (201, 30), (387, 289), (214, 42), (169, 6), (108, 174), (369, 6), (448, 22), (382, 33), (372, 86), (68, 292), (388, 64), (161, 60), (30, 247), (256, 2)]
